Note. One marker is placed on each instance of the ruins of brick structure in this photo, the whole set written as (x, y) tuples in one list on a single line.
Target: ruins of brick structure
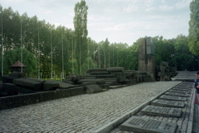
[(146, 58)]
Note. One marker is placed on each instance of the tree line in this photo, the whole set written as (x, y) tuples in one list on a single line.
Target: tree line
[(48, 51)]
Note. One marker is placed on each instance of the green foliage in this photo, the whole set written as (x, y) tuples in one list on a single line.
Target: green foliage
[(81, 32), (89, 64), (175, 52), (74, 67), (184, 59), (163, 49), (194, 27), (133, 56), (52, 50), (12, 56), (43, 40)]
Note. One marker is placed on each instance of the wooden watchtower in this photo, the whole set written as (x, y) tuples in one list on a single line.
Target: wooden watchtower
[(18, 67)]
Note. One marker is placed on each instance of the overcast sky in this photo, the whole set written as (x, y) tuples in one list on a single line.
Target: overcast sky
[(118, 20)]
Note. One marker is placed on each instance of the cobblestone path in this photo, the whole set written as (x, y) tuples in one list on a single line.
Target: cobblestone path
[(83, 113)]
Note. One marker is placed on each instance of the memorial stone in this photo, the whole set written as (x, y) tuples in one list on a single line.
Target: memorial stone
[(167, 103), (174, 98), (178, 91), (161, 111), (143, 125), (182, 89), (176, 94), (146, 59)]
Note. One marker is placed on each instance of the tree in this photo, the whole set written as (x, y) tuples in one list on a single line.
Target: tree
[(105, 47), (182, 57), (29, 61), (92, 51), (164, 49), (194, 27), (81, 32)]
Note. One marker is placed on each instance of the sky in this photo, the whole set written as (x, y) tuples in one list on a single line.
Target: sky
[(121, 21)]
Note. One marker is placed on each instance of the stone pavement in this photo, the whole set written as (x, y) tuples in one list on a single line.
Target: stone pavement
[(83, 113), (180, 117), (185, 76)]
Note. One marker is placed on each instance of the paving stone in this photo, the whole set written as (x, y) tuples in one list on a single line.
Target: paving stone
[(161, 111), (174, 120), (141, 125), (169, 120), (168, 103)]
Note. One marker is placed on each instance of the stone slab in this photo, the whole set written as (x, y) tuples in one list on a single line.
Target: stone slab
[(93, 88), (187, 90), (182, 86), (77, 90), (176, 94), (144, 125), (115, 69), (104, 76), (173, 98), (10, 89), (22, 90), (65, 85), (99, 73), (182, 89), (167, 103), (161, 111), (50, 85), (96, 69), (29, 83), (179, 91), (96, 81)]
